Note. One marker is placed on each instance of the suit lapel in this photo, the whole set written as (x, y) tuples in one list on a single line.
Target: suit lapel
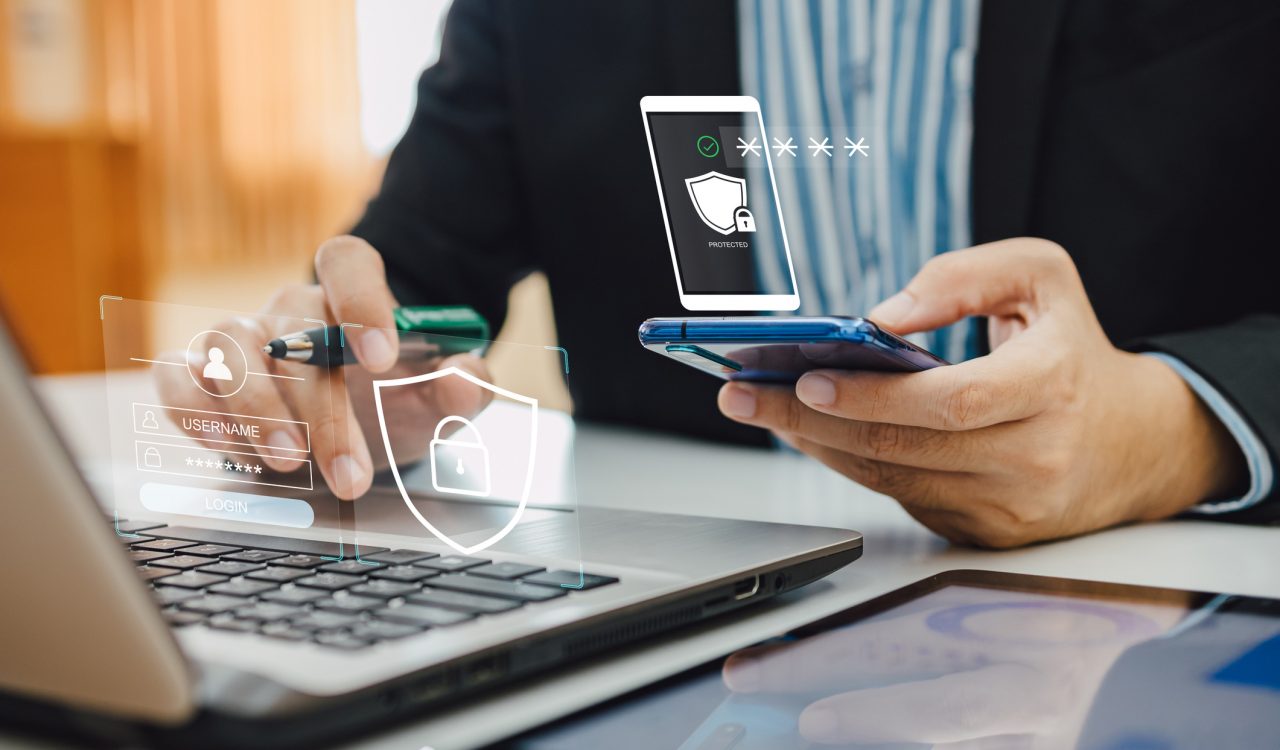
[(1016, 44)]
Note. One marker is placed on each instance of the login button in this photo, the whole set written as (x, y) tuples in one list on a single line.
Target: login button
[(231, 506)]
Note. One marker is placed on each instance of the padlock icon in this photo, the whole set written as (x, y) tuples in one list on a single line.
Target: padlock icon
[(743, 221), (151, 458), (460, 467)]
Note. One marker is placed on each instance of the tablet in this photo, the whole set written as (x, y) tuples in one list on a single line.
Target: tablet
[(979, 659), (719, 202)]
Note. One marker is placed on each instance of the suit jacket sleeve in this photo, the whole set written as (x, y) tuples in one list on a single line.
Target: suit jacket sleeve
[(447, 216), (1242, 361)]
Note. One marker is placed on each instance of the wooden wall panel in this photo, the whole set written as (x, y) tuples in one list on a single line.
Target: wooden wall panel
[(212, 132)]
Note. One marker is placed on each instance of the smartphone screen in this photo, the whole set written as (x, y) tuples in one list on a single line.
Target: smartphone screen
[(719, 200)]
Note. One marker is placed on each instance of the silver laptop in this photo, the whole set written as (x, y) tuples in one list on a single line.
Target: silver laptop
[(169, 631)]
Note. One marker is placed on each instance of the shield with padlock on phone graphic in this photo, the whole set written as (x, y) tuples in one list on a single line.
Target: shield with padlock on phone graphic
[(464, 461)]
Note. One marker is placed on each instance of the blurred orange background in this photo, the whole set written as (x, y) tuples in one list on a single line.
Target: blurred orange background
[(194, 151)]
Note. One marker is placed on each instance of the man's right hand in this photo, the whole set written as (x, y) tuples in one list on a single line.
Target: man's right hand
[(352, 288)]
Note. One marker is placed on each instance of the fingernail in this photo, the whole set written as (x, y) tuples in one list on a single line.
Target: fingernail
[(819, 724), (739, 402), (745, 677), (374, 348), (816, 390), (346, 473), (893, 310), (282, 440)]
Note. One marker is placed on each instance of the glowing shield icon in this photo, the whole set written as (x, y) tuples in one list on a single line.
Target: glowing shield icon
[(716, 198), (501, 463)]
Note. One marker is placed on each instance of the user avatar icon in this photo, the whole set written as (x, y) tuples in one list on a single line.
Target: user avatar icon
[(217, 369), (149, 420)]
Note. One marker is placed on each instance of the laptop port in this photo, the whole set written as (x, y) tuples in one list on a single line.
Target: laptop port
[(746, 588)]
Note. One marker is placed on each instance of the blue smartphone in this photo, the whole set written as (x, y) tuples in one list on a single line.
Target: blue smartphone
[(780, 350)]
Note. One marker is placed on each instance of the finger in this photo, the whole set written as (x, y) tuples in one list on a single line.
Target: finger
[(924, 489), (1009, 277), (355, 288), (260, 397), (337, 442), (997, 700), (779, 410), (318, 397), (1013, 383)]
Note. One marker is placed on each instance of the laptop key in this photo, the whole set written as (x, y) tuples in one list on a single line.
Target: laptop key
[(227, 622), (490, 587), (164, 545), (230, 568), (417, 614), (253, 555), (278, 574), (294, 596), (146, 555), (150, 574), (450, 563), (178, 618), (398, 556), (354, 567), (569, 579), (172, 594), (284, 631), (380, 630), (213, 603), (323, 621), (299, 561), (184, 561), (212, 550), (384, 589), (243, 587), (349, 604), (476, 605), (329, 581), (193, 579), (403, 573), (341, 641), (288, 545), (267, 611), (506, 571), (130, 539)]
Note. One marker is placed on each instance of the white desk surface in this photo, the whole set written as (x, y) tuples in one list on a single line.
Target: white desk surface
[(626, 469)]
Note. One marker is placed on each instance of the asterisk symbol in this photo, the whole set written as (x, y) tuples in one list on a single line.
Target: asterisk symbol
[(189, 461), (824, 147), (858, 147), (788, 148), (257, 469), (239, 467), (227, 466), (748, 148)]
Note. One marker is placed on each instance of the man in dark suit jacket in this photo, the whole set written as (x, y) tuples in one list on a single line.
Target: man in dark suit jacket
[(1138, 136)]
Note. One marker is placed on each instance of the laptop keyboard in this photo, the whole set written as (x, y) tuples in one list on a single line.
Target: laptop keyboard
[(304, 590)]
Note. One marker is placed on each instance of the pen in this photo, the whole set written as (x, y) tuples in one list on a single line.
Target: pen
[(446, 330)]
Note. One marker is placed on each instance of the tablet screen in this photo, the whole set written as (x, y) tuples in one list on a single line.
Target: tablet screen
[(976, 659), (720, 204)]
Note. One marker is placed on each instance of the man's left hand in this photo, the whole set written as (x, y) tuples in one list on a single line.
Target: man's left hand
[(1055, 432)]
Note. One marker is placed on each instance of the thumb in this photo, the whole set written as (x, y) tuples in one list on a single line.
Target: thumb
[(1009, 277)]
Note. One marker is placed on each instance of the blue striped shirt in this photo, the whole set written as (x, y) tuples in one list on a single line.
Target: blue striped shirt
[(897, 77)]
